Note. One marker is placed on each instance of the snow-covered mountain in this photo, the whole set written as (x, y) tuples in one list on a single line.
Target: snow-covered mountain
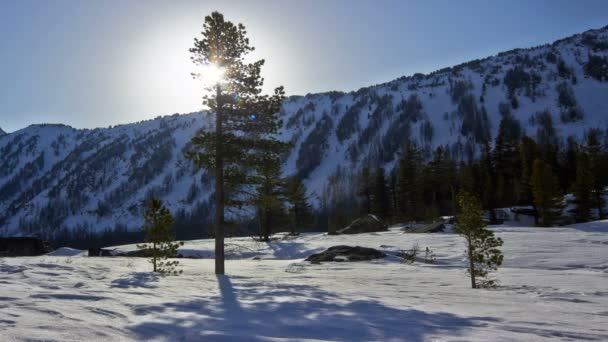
[(2, 132), (57, 177)]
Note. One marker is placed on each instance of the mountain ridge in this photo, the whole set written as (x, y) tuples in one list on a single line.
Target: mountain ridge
[(54, 177)]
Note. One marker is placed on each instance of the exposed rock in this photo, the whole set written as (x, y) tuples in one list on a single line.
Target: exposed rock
[(22, 246), (435, 227), (346, 253), (366, 224), (98, 252)]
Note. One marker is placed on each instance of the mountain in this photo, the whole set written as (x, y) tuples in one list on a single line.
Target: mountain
[(2, 132), (56, 178)]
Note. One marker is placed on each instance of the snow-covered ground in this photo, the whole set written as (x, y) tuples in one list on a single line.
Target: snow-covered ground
[(553, 286)]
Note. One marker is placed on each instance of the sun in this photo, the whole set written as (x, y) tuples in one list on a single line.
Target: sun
[(212, 74)]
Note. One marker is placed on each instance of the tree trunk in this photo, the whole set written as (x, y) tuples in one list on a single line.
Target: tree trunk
[(598, 198), (219, 187), (267, 218), (471, 262), (154, 257)]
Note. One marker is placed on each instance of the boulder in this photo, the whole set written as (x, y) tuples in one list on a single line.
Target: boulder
[(99, 252), (366, 224), (22, 246), (346, 253), (435, 227)]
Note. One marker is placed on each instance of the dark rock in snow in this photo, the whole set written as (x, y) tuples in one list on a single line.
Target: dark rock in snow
[(22, 246), (346, 253), (98, 252), (435, 227), (366, 224)]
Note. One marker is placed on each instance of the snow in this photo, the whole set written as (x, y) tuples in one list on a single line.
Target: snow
[(552, 287), (78, 151), (67, 252)]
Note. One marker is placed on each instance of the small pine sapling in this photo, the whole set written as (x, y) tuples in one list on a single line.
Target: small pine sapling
[(159, 239), (429, 256), (483, 251), (409, 256)]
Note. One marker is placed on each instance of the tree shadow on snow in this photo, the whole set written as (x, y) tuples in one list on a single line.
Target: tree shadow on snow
[(259, 311), (138, 279)]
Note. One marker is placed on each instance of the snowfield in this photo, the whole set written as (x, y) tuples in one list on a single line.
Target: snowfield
[(553, 286)]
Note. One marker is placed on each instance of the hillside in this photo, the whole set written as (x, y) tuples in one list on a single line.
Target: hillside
[(57, 178)]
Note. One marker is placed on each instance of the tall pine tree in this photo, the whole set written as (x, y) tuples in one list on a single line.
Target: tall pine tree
[(529, 153), (546, 193), (364, 190), (301, 212), (409, 193), (582, 189), (506, 160), (245, 120), (381, 203), (598, 160), (270, 196)]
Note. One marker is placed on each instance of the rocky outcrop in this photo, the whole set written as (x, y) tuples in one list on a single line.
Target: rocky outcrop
[(346, 253)]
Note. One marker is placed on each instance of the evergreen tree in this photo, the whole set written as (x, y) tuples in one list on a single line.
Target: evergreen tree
[(159, 238), (583, 189), (489, 180), (270, 196), (546, 193), (245, 121), (409, 194), (598, 160), (301, 211), (567, 160), (506, 159), (529, 154), (483, 250), (364, 190), (381, 204)]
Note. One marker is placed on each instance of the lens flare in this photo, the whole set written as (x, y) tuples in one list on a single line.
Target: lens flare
[(212, 74)]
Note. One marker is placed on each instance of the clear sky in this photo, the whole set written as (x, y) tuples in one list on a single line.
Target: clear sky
[(98, 63)]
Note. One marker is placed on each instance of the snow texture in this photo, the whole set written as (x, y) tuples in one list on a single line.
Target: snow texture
[(552, 288)]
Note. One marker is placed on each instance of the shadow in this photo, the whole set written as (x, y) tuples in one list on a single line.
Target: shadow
[(138, 279), (256, 311)]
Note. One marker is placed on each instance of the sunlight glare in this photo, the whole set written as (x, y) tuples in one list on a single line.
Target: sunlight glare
[(212, 74)]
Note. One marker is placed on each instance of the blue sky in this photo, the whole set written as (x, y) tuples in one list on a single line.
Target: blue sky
[(98, 63)]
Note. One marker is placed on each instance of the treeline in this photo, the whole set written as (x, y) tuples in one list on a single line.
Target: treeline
[(559, 182)]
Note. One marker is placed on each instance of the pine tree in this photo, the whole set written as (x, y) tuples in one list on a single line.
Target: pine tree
[(483, 250), (440, 181), (582, 189), (567, 159), (546, 193), (488, 179), (364, 190), (301, 211), (246, 122), (529, 153), (598, 160), (506, 161), (159, 238), (270, 196), (381, 203), (409, 194)]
